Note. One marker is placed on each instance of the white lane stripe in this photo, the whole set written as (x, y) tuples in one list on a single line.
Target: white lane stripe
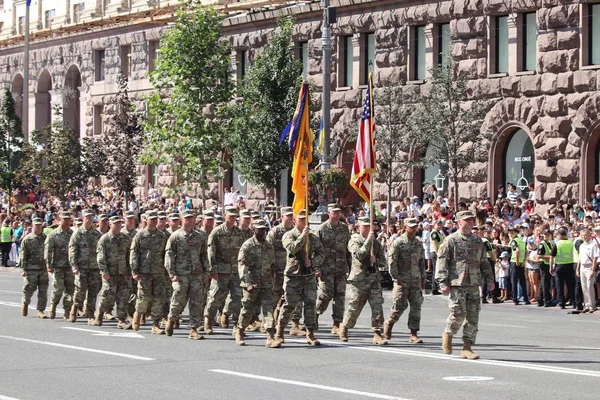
[(13, 292), (306, 384), (510, 364), (502, 325), (66, 346), (12, 304), (584, 348), (7, 398)]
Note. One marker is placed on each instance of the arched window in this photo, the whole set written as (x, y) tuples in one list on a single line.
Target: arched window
[(519, 161), (434, 175)]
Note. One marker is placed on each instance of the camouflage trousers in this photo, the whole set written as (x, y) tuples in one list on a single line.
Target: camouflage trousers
[(132, 297), (168, 295), (404, 295), (360, 292), (464, 304), (298, 290), (279, 299), (151, 295), (117, 288), (189, 289), (252, 302), (36, 279), (63, 284), (332, 287), (220, 288), (87, 286)]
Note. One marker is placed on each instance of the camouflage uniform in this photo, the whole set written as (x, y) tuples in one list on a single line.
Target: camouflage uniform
[(187, 258), (461, 262), (299, 283), (223, 248), (365, 281), (146, 258), (168, 286), (332, 284), (255, 267), (82, 257), (406, 262), (56, 254), (113, 259), (246, 234), (31, 260), (133, 293), (274, 238)]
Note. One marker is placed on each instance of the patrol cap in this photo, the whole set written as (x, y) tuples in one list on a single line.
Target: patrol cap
[(207, 214), (78, 221), (254, 214), (188, 213), (259, 224), (87, 212), (173, 216), (162, 215), (66, 214), (504, 254), (231, 211), (287, 211), (464, 215), (364, 221), (129, 214), (334, 207), (151, 215), (219, 218), (245, 214), (411, 222), (102, 217), (301, 214), (38, 221), (114, 219)]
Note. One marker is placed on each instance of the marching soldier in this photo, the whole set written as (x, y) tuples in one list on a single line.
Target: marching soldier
[(186, 262), (130, 231), (33, 269), (460, 265), (208, 221), (245, 224), (275, 238), (56, 254), (365, 281), (174, 223), (303, 264), (103, 223), (255, 262), (406, 261)]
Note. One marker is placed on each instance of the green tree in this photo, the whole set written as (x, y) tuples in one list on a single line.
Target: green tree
[(11, 143), (450, 122), (192, 84), (267, 99)]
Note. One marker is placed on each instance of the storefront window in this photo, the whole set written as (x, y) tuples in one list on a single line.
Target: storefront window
[(519, 162)]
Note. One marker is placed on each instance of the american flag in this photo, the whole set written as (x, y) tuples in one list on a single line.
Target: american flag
[(364, 156)]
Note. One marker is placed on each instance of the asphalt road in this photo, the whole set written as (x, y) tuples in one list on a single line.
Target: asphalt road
[(527, 353)]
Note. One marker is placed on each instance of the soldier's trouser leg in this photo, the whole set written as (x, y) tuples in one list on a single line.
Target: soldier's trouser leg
[(58, 286), (195, 293), (473, 306), (376, 304), (151, 292), (107, 293), (339, 297), (433, 262), (297, 314), (36, 280), (464, 303), (158, 297), (168, 296), (358, 298), (233, 303), (250, 305), (277, 290), (400, 299), (415, 298), (122, 296), (179, 297), (326, 292), (204, 296), (81, 288), (309, 296), (219, 289), (94, 285), (132, 297), (267, 307), (292, 296), (63, 287)]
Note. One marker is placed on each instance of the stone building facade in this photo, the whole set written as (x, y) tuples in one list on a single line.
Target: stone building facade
[(538, 61)]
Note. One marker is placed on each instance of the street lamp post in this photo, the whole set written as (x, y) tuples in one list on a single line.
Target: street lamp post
[(326, 41)]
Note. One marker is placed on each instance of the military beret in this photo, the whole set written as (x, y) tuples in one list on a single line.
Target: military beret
[(66, 214), (115, 219), (102, 217), (231, 211), (174, 216), (245, 214), (259, 224), (464, 215), (188, 213), (207, 214), (411, 222), (151, 215), (334, 207), (287, 211), (87, 212)]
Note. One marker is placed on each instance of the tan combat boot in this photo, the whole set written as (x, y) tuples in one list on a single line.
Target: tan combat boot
[(194, 335), (279, 334), (271, 341), (316, 322), (387, 329), (239, 336), (310, 338), (169, 328), (295, 329), (467, 352), (447, 343), (378, 339), (41, 315), (343, 333), (177, 323), (136, 321), (24, 310), (73, 315), (67, 314), (224, 320), (52, 311), (123, 324), (98, 320), (109, 316), (335, 330), (156, 328), (208, 326), (414, 338)]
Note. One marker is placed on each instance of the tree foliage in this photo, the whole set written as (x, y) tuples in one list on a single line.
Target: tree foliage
[(267, 99), (192, 85), (11, 142)]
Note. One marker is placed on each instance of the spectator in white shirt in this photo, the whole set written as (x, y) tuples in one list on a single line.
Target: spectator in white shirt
[(586, 270)]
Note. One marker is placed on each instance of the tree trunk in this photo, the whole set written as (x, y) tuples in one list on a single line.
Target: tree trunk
[(203, 190), (389, 206)]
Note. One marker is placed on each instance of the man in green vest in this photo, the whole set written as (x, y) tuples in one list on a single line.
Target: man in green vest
[(544, 250), (517, 264), (6, 236), (561, 261)]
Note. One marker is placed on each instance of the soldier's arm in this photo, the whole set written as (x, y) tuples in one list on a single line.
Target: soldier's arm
[(380, 257), (486, 267), (23, 255), (133, 252), (170, 252), (441, 267), (49, 251), (73, 252), (101, 256), (422, 265), (204, 255), (212, 252), (294, 246), (243, 269), (318, 253), (361, 252), (271, 236), (348, 252), (394, 259)]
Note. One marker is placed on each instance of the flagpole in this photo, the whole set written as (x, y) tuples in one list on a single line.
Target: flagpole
[(25, 103)]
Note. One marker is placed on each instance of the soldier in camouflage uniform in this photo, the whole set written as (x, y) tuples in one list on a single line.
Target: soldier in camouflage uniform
[(303, 264), (365, 281), (82, 258), (113, 262), (406, 263), (162, 221), (208, 221), (33, 269), (186, 262), (460, 267), (103, 223), (224, 245), (146, 258), (56, 254), (255, 267), (164, 228), (334, 236), (174, 223), (130, 231)]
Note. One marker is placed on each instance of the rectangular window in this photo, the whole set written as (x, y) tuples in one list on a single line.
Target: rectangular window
[(529, 42), (348, 61), (303, 56), (99, 65), (48, 16), (594, 34), (152, 52), (21, 26), (444, 44), (98, 123), (126, 60), (368, 57), (243, 64), (419, 66), (77, 10), (154, 174), (501, 43)]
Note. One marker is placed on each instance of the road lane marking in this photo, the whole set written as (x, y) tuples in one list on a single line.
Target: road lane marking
[(131, 335), (584, 348), (12, 292), (13, 304), (67, 346), (502, 325), (7, 398), (307, 384)]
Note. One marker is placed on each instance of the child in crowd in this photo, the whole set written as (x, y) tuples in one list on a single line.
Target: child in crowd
[(502, 271)]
